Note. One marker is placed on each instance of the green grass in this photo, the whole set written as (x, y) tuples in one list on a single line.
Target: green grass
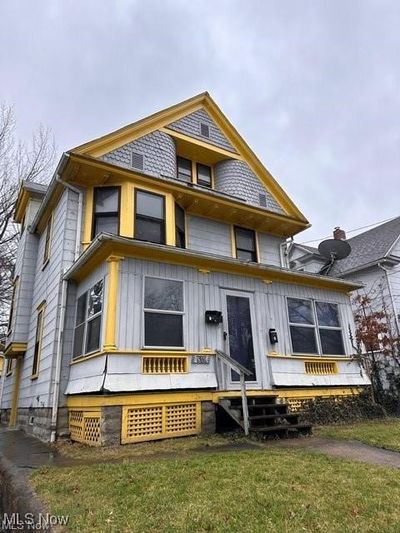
[(272, 489), (383, 433)]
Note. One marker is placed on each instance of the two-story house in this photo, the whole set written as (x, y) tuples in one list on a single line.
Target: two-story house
[(150, 290)]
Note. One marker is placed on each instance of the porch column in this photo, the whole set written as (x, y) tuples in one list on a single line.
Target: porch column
[(110, 343), (15, 393)]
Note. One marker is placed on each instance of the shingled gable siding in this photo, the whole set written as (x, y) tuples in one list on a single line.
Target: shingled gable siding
[(190, 125), (237, 179), (158, 150), (37, 393)]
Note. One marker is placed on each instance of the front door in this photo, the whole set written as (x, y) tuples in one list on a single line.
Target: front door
[(239, 338)]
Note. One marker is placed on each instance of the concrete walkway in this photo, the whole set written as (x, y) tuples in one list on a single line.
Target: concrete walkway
[(27, 452), (346, 449)]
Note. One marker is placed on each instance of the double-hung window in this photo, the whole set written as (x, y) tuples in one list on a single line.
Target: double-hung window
[(38, 341), (9, 366), (180, 239), (150, 217), (203, 175), (315, 327), (106, 210), (245, 240), (88, 321), (184, 169), (163, 313)]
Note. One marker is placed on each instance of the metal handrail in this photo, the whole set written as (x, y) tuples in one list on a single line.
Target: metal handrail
[(242, 371)]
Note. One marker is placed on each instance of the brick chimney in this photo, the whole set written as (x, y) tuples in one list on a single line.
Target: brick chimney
[(339, 234)]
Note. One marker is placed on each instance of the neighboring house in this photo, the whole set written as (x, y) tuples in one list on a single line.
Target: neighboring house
[(155, 250), (374, 261)]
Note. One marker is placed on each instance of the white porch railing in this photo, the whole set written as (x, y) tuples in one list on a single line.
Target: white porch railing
[(225, 361)]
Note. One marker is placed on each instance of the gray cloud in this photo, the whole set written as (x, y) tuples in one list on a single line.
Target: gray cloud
[(314, 87)]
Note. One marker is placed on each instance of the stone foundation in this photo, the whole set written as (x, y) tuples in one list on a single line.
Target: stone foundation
[(208, 419)]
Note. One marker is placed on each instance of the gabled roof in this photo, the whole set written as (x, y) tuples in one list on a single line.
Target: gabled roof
[(107, 143), (27, 190), (370, 247)]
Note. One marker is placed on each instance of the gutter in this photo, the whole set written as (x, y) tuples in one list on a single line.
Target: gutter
[(396, 320)]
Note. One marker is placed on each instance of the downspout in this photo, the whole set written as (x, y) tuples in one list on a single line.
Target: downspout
[(285, 249), (396, 320), (61, 322)]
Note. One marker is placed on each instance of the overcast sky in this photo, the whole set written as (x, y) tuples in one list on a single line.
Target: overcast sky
[(313, 86)]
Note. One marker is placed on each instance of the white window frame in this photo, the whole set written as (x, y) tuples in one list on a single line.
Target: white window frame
[(87, 320), (164, 311), (316, 327)]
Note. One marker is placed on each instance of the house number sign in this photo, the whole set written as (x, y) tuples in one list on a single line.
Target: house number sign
[(200, 360)]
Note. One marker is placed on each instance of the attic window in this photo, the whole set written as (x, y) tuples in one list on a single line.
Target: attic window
[(137, 161), (204, 129), (262, 199)]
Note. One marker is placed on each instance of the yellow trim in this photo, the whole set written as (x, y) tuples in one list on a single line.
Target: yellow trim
[(153, 422), (165, 364), (88, 217), (172, 255), (94, 401), (233, 242), (161, 353), (311, 358), (15, 349), (200, 202), (194, 171), (320, 367), (219, 153), (112, 301), (107, 143), (84, 401), (127, 209), (257, 246), (15, 393)]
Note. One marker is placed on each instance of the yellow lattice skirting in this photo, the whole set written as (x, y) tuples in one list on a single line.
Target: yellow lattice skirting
[(84, 426), (151, 422)]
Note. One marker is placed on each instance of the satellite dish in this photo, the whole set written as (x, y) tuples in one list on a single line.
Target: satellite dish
[(334, 249)]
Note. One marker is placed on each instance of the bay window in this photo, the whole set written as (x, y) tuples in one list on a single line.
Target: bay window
[(184, 169)]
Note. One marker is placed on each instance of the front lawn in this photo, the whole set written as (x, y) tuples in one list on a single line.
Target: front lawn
[(384, 433), (263, 490)]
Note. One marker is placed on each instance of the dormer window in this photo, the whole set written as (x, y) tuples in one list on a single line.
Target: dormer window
[(203, 175), (106, 210), (184, 169)]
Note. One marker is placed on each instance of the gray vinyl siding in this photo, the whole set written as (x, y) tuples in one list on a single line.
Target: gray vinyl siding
[(269, 248), (394, 280), (47, 287), (203, 291), (207, 235)]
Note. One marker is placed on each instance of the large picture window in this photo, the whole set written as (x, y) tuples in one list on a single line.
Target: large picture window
[(38, 341), (163, 313), (245, 241), (88, 321), (150, 217), (106, 210), (315, 327)]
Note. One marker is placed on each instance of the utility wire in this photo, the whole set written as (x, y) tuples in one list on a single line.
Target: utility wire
[(351, 230)]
